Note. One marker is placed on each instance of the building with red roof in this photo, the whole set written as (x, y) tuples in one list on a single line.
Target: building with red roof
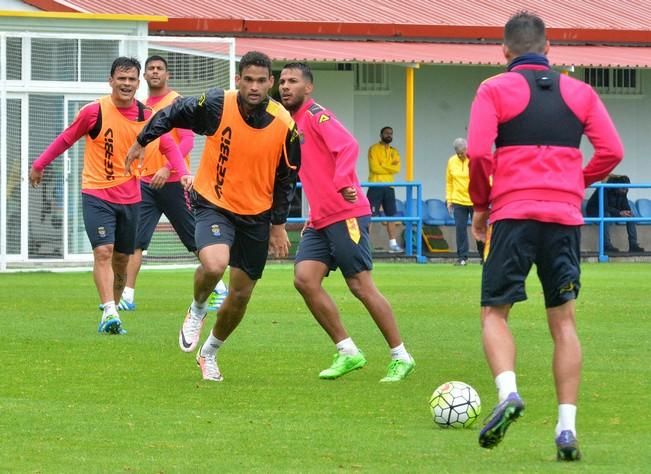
[(366, 56), (422, 31)]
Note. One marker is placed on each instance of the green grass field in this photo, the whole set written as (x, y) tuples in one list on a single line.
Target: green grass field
[(74, 401)]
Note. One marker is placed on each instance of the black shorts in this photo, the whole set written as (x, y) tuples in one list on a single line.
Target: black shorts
[(344, 244), (107, 223), (247, 236), (383, 197), (171, 200), (515, 245)]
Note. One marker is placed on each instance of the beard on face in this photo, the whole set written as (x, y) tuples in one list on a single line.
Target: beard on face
[(387, 140), (294, 102)]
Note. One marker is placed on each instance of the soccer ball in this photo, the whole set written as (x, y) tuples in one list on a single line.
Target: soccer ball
[(455, 404)]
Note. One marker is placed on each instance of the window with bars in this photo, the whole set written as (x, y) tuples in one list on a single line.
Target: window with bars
[(371, 78), (614, 81), (192, 74), (14, 59)]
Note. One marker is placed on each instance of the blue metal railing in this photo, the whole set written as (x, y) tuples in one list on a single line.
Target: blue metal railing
[(413, 217), (601, 220)]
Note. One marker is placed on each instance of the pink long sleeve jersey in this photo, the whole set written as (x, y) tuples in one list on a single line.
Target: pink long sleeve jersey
[(329, 155), (127, 193), (530, 180)]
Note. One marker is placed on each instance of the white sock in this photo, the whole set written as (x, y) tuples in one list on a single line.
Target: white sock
[(505, 384), (566, 418), (221, 288), (109, 309), (347, 347), (198, 310), (211, 346), (393, 242), (128, 294), (400, 353)]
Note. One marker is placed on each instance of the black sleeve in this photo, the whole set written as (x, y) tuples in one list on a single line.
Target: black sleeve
[(625, 206), (200, 114), (611, 206), (592, 207), (286, 174)]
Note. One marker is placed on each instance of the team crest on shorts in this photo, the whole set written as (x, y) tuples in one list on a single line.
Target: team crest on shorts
[(101, 231), (353, 229), (216, 231)]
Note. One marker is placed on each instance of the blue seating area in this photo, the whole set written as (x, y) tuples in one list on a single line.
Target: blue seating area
[(639, 208), (633, 207), (643, 207), (400, 208), (435, 212)]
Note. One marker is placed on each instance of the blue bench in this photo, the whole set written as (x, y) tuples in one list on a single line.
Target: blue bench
[(643, 207), (435, 212)]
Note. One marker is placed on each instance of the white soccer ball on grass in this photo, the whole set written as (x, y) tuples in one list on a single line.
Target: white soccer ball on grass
[(455, 404)]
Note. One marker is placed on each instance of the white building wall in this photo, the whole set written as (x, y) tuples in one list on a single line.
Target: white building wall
[(443, 95), (334, 90)]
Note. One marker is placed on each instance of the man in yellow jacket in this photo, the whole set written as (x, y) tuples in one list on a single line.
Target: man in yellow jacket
[(457, 198), (383, 165)]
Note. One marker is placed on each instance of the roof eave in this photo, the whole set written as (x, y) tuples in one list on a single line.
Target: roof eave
[(237, 27), (240, 26)]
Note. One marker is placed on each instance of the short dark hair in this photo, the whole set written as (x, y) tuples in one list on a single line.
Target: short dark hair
[(525, 33), (156, 57), (254, 58), (619, 179), (385, 128), (125, 63), (304, 68)]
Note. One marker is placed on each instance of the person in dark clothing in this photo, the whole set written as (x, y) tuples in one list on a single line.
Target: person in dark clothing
[(244, 184), (615, 205)]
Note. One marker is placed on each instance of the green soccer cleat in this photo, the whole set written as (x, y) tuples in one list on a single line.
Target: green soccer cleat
[(399, 370), (343, 364)]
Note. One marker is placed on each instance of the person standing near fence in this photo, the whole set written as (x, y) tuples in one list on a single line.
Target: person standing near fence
[(244, 185), (110, 191), (383, 165), (337, 233), (535, 118), (458, 200), (162, 191)]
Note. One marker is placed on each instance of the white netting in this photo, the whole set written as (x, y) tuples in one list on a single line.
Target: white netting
[(13, 176), (39, 99)]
